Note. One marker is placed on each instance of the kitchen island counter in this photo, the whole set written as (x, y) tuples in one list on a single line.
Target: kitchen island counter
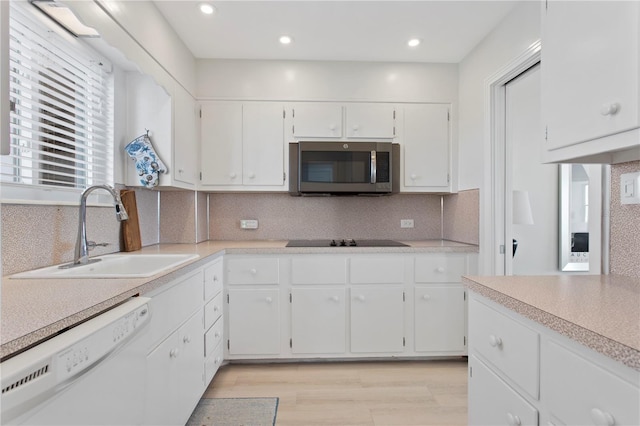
[(602, 312), (36, 309)]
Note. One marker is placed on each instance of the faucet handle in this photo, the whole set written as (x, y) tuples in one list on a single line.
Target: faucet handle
[(92, 244)]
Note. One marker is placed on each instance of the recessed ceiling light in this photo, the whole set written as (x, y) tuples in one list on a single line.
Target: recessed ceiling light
[(413, 42), (207, 8), (285, 39)]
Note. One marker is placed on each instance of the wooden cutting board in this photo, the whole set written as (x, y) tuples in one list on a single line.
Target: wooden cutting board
[(131, 227)]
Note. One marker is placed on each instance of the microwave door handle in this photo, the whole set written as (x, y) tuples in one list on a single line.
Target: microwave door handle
[(373, 167)]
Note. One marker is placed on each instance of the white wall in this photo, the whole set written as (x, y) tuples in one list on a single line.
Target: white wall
[(323, 81), (517, 32), (146, 25)]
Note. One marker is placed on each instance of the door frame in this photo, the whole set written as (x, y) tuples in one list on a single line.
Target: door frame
[(492, 231)]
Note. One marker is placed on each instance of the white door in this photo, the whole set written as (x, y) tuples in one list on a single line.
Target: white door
[(317, 120), (377, 319), (370, 121), (537, 242), (425, 145), (263, 143), (185, 137), (318, 320), (221, 143), (440, 318), (254, 322)]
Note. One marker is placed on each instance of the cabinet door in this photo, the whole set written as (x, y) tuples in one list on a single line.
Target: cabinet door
[(221, 143), (185, 138), (370, 121), (440, 319), (377, 319), (263, 143), (318, 320), (589, 70), (190, 378), (175, 375), (509, 346), (579, 392), (493, 402), (425, 146), (149, 106), (254, 322), (317, 120)]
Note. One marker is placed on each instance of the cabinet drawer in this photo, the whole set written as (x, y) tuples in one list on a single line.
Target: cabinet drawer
[(212, 338), (252, 271), (213, 279), (172, 307), (602, 395), (506, 344), (213, 362), (377, 270), (493, 402), (319, 270), (212, 311), (439, 268)]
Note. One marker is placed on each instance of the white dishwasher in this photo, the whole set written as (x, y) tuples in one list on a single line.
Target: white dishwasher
[(91, 374)]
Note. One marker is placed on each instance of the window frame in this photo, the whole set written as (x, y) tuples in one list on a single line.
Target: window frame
[(27, 193)]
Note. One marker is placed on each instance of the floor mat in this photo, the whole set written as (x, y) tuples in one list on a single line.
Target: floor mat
[(235, 412)]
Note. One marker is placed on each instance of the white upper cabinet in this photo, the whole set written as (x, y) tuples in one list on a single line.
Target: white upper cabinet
[(370, 121), (221, 143), (328, 120), (242, 145), (185, 137), (170, 119), (263, 145), (316, 120), (425, 145), (590, 76)]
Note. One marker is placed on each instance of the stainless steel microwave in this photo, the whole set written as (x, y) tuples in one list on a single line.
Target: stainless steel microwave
[(344, 168)]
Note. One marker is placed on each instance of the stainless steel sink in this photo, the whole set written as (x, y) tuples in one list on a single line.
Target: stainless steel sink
[(114, 266)]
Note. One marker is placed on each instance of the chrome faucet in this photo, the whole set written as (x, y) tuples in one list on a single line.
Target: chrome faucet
[(81, 256)]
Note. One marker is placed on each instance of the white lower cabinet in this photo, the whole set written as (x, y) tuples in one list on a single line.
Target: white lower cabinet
[(184, 347), (521, 372), (175, 375), (493, 402), (357, 305), (318, 320), (254, 321), (580, 392), (377, 319), (440, 318)]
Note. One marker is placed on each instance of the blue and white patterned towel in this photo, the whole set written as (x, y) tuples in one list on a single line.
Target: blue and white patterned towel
[(148, 164)]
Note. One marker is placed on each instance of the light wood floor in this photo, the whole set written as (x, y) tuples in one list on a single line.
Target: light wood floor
[(353, 393)]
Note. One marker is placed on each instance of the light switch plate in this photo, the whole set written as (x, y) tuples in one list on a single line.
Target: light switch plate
[(630, 188)]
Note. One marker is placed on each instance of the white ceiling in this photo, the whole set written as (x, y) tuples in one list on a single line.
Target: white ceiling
[(335, 30)]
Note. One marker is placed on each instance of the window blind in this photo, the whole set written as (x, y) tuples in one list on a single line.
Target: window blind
[(61, 121)]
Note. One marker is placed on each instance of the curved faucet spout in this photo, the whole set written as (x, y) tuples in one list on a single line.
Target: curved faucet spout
[(81, 255)]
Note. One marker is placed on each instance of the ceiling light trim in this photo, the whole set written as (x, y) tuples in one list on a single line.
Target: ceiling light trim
[(65, 17)]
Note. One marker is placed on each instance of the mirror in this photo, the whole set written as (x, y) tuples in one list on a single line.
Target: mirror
[(574, 218)]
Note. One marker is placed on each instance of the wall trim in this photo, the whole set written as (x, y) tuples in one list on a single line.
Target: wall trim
[(492, 200)]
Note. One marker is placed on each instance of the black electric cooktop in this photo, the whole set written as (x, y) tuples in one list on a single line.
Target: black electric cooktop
[(345, 242)]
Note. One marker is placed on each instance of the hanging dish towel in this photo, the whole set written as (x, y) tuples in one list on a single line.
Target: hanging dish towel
[(148, 164)]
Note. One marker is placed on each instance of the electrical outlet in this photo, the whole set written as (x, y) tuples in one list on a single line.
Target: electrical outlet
[(406, 223), (248, 224)]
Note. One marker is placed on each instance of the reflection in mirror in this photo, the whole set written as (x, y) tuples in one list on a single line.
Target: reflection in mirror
[(574, 218)]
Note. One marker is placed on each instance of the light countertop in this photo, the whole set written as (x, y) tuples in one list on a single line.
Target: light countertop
[(600, 311), (35, 309)]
